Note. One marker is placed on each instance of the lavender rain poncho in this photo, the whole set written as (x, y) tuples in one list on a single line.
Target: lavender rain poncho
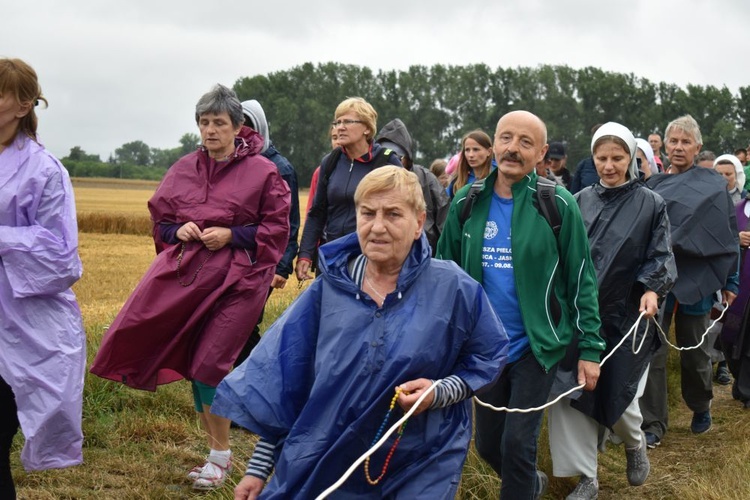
[(42, 341)]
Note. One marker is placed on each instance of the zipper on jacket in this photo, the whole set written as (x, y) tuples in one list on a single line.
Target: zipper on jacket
[(351, 167)]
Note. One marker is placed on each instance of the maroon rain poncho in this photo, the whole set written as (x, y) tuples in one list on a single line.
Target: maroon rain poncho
[(167, 331)]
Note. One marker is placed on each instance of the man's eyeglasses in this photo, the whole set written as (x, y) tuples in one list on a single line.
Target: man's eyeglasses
[(345, 123)]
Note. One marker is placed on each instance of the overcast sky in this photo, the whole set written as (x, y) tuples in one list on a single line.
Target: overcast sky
[(116, 72)]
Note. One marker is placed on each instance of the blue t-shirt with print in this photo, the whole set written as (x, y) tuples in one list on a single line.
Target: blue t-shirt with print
[(497, 274)]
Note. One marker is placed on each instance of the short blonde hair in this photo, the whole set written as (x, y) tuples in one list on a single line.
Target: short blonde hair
[(392, 178), (363, 110)]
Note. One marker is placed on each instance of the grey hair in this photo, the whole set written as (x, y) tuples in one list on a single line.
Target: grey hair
[(220, 99), (688, 125), (705, 155)]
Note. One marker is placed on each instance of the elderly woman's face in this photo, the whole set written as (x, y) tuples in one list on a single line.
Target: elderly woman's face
[(350, 130), (217, 134), (387, 227)]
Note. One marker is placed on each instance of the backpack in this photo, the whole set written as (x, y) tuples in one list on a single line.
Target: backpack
[(381, 159), (545, 191)]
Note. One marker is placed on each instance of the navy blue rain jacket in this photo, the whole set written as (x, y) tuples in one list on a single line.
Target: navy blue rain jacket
[(322, 377)]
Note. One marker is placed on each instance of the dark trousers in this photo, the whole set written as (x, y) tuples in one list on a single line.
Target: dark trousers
[(696, 373), (508, 441), (8, 429), (254, 338)]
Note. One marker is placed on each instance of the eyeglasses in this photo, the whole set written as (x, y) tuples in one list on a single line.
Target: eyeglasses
[(345, 123)]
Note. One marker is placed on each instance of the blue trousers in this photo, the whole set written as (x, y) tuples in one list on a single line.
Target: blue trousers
[(508, 441)]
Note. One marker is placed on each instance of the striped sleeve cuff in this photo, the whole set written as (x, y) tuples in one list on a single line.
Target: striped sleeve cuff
[(261, 463), (451, 390)]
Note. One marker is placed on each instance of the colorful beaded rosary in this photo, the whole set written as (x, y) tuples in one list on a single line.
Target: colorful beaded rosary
[(377, 438)]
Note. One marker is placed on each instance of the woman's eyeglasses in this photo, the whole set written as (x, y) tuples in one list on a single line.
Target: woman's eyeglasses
[(345, 123)]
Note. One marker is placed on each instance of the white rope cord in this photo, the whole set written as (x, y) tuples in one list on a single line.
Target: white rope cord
[(703, 337), (575, 388), (632, 331), (377, 445)]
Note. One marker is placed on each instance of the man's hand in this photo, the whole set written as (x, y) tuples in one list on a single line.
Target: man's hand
[(745, 239), (248, 488), (216, 238), (588, 373), (411, 391)]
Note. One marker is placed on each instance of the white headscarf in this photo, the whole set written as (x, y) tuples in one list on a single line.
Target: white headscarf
[(644, 146), (739, 172), (617, 130)]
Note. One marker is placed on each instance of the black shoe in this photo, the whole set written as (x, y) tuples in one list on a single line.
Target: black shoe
[(652, 440), (701, 422), (722, 375), (746, 404)]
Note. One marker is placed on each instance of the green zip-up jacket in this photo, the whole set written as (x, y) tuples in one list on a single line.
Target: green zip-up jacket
[(557, 291)]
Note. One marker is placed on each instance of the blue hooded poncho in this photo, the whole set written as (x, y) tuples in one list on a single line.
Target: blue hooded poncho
[(322, 377)]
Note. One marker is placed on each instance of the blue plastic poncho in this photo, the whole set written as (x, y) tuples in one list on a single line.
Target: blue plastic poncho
[(322, 377), (42, 342)]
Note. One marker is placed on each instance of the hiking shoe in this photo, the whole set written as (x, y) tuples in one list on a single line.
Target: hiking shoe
[(638, 464), (701, 422), (542, 481), (586, 489), (212, 476), (722, 374), (652, 440)]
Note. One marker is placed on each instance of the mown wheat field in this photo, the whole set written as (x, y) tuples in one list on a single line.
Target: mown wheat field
[(141, 445)]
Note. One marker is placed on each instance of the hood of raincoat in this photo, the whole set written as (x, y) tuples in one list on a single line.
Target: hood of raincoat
[(395, 132), (253, 110), (617, 130)]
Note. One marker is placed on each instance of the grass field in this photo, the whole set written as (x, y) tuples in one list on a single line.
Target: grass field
[(140, 445)]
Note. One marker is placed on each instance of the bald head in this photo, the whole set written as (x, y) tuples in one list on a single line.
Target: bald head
[(529, 118), (520, 144)]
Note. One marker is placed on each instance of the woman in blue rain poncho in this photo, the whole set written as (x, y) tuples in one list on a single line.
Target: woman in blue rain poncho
[(382, 315)]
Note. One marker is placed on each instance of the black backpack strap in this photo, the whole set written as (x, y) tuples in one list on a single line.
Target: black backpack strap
[(545, 194), (382, 157), (331, 161), (471, 197)]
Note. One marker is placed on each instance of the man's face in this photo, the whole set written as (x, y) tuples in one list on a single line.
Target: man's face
[(655, 141), (742, 157), (519, 144), (681, 149)]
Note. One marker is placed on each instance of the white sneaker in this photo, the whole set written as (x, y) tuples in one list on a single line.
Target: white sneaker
[(212, 476)]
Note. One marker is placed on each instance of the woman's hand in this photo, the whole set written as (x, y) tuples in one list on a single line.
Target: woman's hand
[(216, 238), (588, 374), (189, 232), (649, 303), (302, 269), (248, 488), (411, 391), (745, 239), (728, 297)]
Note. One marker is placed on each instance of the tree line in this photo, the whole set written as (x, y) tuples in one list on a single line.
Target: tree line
[(439, 104)]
